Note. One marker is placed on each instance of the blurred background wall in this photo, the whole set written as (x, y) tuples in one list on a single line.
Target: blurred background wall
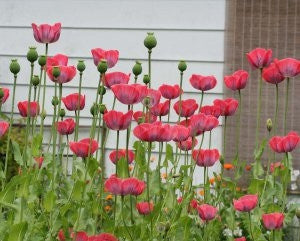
[(188, 30)]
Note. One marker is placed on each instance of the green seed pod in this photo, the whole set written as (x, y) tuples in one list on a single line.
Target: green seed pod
[(102, 109), (42, 60), (55, 101), (141, 120), (55, 71), (32, 54), (94, 109), (182, 65), (43, 115), (101, 90), (81, 66), (269, 125), (102, 66), (147, 101), (1, 93), (35, 80), (62, 113), (150, 41), (146, 79), (137, 68), (14, 66)]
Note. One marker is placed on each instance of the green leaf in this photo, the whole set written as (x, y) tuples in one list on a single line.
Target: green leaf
[(77, 190), (93, 166), (36, 145), (122, 168), (17, 153), (257, 169), (169, 154), (49, 201), (258, 153), (18, 231), (256, 186)]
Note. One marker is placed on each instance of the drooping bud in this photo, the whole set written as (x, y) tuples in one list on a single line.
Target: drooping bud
[(137, 68), (43, 114), (55, 71), (102, 109), (42, 60), (35, 80), (150, 41), (269, 125), (55, 101), (146, 79), (62, 113), (94, 109), (32, 54), (182, 65), (14, 66), (81, 66), (102, 66), (101, 90)]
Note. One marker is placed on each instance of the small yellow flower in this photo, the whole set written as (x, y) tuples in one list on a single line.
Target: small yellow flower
[(201, 192), (212, 181), (109, 197)]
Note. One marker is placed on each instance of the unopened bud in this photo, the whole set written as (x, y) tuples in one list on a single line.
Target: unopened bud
[(146, 79), (101, 90), (147, 101), (35, 80), (182, 65), (102, 109), (102, 66), (81, 66), (94, 109), (55, 71), (55, 101), (269, 125), (62, 113), (14, 66), (137, 68), (141, 120), (42, 60), (150, 41), (43, 114), (32, 54)]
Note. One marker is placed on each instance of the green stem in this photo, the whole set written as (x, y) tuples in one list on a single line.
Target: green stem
[(201, 100), (238, 125), (117, 161), (286, 105), (285, 181), (224, 138), (44, 93), (149, 66), (250, 224), (39, 90), (9, 130), (67, 164), (258, 110), (159, 167), (180, 96), (268, 169), (204, 182), (78, 111), (169, 111), (148, 179), (209, 146), (276, 110), (273, 234), (127, 230), (34, 118)]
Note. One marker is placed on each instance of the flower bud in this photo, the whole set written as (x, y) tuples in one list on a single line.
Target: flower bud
[(137, 68), (42, 60), (32, 54), (14, 66), (55, 71), (102, 109), (55, 101), (81, 66), (35, 80), (1, 93), (147, 101), (101, 90), (102, 66), (150, 41), (141, 120), (182, 65), (146, 79), (43, 114), (269, 125), (94, 109), (62, 113)]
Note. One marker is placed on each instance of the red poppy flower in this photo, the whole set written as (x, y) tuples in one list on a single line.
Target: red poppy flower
[(206, 158), (144, 208), (67, 73), (240, 239), (5, 95), (203, 83), (154, 132), (39, 161), (116, 120), (181, 133), (61, 235), (259, 58), (71, 102), (46, 33), (80, 236), (154, 97), (185, 108), (213, 110), (132, 186), (288, 67), (3, 127), (161, 109), (188, 144), (57, 60), (66, 127), (146, 117), (83, 147), (114, 185), (201, 123), (207, 212), (103, 237), (273, 221), (288, 143), (129, 94), (23, 108), (245, 203), (114, 78), (237, 80), (272, 75), (227, 106), (170, 91), (121, 154), (111, 56)]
